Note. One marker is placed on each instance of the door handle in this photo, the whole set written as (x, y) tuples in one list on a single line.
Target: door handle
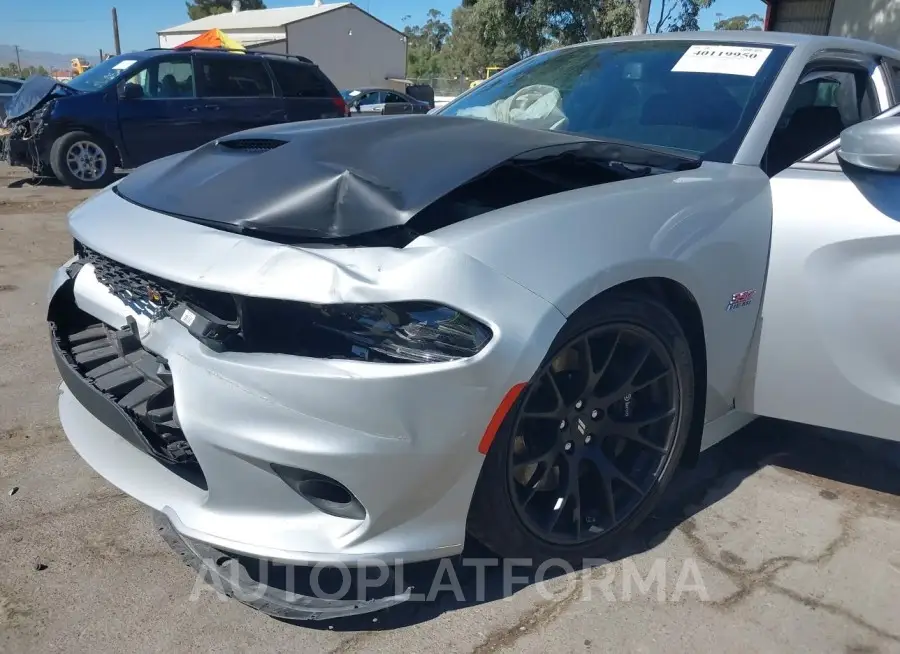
[(211, 107), (194, 109)]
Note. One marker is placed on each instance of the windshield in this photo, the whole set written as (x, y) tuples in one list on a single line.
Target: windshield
[(98, 77), (700, 98)]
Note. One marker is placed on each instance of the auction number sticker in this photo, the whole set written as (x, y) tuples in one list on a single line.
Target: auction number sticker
[(125, 63), (722, 59)]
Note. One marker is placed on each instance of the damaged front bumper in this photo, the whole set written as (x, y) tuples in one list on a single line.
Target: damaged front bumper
[(14, 149), (402, 439), (281, 596), (27, 141)]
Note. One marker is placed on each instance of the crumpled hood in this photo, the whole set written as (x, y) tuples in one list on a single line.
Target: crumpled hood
[(30, 95), (330, 179)]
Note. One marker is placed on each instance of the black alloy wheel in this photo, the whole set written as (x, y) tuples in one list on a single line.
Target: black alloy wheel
[(593, 434), (594, 438)]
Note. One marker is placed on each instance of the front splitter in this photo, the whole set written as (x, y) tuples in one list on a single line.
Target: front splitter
[(231, 574)]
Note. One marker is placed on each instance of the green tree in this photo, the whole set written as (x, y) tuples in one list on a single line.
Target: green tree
[(500, 32), (12, 70), (679, 15), (751, 22), (482, 35), (426, 44), (200, 8)]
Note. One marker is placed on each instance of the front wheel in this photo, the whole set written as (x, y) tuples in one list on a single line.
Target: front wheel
[(82, 160), (593, 439)]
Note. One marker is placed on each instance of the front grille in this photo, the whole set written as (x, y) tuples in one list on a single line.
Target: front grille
[(143, 293), (153, 296)]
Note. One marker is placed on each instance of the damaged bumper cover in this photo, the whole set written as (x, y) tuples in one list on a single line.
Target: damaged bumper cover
[(28, 140), (401, 439), (14, 150)]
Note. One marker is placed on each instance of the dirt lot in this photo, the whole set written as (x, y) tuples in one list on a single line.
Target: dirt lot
[(794, 536)]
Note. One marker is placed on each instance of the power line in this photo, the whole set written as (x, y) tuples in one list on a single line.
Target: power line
[(52, 20)]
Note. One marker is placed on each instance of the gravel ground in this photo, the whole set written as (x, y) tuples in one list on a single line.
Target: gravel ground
[(792, 533)]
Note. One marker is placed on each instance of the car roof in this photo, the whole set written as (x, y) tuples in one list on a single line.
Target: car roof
[(369, 89), (216, 52), (12, 79), (810, 42)]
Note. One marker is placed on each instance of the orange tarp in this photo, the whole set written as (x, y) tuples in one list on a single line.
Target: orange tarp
[(214, 38)]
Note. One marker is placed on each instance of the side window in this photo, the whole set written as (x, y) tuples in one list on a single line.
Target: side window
[(822, 105), (8, 87), (300, 80), (175, 79), (165, 80), (234, 77), (371, 98), (393, 97)]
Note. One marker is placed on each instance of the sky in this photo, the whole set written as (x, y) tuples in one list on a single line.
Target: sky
[(85, 26)]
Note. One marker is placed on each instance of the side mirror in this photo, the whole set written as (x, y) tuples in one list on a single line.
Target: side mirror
[(131, 92), (872, 145)]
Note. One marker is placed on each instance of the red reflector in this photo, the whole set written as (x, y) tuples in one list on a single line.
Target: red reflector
[(499, 415)]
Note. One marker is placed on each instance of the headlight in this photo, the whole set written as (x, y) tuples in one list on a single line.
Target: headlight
[(402, 332)]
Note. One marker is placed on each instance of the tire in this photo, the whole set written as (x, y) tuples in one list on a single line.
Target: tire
[(95, 148), (497, 518)]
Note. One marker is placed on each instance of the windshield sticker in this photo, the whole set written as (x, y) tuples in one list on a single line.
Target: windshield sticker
[(722, 59), (353, 94), (122, 65)]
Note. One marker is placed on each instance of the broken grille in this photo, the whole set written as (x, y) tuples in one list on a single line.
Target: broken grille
[(152, 296), (145, 294)]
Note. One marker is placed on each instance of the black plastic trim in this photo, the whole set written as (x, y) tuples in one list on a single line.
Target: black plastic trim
[(311, 486), (124, 386), (93, 400)]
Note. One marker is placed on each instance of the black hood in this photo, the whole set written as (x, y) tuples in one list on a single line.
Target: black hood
[(31, 95), (339, 178)]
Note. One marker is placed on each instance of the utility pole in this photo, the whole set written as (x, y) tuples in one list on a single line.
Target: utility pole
[(101, 55), (115, 17), (18, 62)]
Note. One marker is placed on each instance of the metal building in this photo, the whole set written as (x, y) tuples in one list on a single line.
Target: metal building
[(871, 20), (354, 48)]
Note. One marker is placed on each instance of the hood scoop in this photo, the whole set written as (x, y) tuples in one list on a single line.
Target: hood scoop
[(251, 145)]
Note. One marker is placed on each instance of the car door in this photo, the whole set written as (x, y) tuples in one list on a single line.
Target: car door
[(394, 104), (826, 351), (371, 102), (237, 93), (165, 117)]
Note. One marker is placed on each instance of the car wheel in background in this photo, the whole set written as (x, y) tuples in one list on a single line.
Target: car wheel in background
[(594, 438), (83, 160)]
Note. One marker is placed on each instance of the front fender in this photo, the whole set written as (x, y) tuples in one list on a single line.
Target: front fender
[(707, 229)]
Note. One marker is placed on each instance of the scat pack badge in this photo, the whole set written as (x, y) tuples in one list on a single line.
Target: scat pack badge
[(739, 300)]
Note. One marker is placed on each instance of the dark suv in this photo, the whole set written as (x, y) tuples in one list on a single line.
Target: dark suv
[(137, 107)]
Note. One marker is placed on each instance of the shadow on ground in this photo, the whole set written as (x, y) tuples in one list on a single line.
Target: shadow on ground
[(847, 460), (30, 182), (52, 182)]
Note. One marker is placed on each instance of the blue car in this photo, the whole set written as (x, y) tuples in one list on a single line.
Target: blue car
[(134, 108)]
